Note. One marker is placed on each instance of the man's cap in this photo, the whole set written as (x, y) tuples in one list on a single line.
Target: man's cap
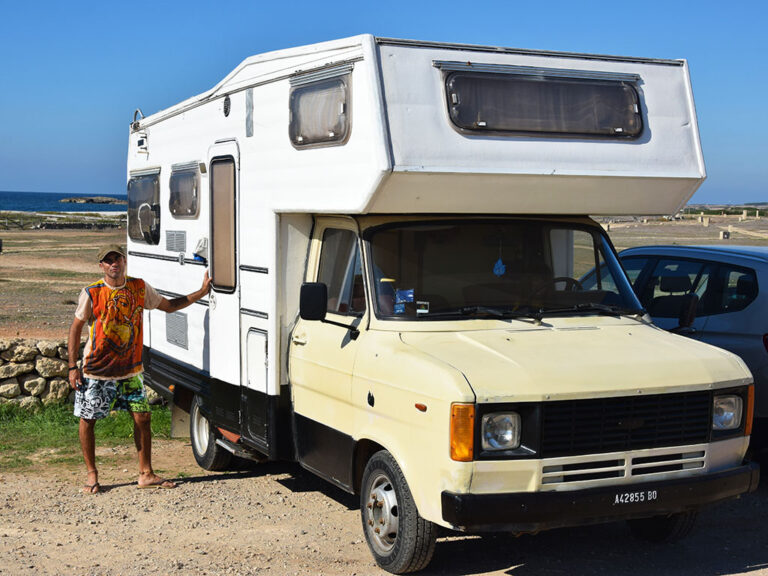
[(111, 248)]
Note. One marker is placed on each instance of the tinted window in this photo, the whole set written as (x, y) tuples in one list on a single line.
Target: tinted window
[(320, 112), (633, 267), (144, 208), (671, 280), (185, 192), (737, 289), (341, 270), (539, 104)]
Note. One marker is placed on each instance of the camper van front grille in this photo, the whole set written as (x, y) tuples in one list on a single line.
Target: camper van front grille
[(628, 423)]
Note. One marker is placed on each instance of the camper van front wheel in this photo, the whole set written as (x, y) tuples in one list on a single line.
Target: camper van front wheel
[(400, 540), (209, 455)]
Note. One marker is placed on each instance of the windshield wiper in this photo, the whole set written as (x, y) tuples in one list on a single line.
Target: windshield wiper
[(486, 311), (592, 307)]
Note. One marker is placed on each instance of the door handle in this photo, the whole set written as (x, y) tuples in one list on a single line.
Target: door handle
[(299, 339)]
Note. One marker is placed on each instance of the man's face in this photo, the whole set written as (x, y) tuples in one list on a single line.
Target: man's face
[(113, 266)]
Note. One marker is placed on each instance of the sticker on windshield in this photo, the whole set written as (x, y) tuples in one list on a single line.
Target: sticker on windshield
[(499, 269), (404, 295), (400, 308), (422, 307)]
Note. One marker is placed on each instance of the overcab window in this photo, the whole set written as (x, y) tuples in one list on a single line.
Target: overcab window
[(541, 104), (144, 207), (184, 201), (319, 111)]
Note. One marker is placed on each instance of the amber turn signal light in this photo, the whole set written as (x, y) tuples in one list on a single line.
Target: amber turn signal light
[(462, 432)]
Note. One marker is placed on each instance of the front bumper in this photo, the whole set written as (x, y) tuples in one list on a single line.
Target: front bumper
[(534, 511)]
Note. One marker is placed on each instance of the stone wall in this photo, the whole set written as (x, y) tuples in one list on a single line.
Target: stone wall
[(34, 372)]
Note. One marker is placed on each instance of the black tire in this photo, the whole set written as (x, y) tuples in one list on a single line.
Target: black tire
[(400, 540), (208, 454), (659, 529)]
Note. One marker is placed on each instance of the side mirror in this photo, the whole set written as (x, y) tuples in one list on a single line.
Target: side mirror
[(313, 301), (688, 310)]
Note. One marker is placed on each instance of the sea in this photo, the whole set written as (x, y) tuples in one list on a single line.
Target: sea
[(50, 202)]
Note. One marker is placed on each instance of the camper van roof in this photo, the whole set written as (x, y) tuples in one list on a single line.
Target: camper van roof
[(235, 81)]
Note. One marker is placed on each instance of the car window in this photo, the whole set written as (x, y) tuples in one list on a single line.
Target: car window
[(633, 266), (737, 289), (672, 280), (341, 270)]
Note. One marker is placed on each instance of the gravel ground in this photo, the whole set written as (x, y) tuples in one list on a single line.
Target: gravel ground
[(278, 519)]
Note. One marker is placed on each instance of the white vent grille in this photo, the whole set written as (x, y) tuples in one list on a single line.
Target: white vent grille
[(176, 329), (176, 240), (621, 467)]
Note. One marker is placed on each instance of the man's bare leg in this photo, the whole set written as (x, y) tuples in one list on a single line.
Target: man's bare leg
[(88, 445), (142, 437)]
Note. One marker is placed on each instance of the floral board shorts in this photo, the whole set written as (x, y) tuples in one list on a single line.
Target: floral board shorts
[(97, 398)]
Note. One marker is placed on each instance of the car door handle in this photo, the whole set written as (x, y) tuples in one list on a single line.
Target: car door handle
[(299, 339)]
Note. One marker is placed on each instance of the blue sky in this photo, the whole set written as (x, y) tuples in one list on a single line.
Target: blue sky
[(74, 72)]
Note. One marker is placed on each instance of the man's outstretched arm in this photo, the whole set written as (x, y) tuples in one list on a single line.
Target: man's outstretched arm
[(183, 301)]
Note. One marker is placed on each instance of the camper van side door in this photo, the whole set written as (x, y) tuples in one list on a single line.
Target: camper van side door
[(322, 355), (224, 298)]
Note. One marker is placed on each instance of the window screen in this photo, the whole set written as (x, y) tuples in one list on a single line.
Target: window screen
[(320, 112), (144, 208), (185, 192), (223, 274), (491, 102), (342, 271)]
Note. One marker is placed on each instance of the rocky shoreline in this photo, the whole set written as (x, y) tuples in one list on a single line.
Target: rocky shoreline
[(93, 200)]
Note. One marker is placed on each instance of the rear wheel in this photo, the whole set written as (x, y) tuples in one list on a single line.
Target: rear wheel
[(669, 528), (400, 540), (209, 455)]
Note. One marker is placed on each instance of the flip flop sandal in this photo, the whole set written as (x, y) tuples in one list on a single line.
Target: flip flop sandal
[(91, 488), (161, 483)]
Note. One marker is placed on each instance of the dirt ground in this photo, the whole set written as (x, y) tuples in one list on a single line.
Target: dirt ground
[(277, 519)]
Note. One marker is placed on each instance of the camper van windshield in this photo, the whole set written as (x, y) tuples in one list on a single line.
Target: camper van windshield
[(505, 268)]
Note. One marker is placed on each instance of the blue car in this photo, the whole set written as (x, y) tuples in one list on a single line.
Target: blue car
[(725, 289)]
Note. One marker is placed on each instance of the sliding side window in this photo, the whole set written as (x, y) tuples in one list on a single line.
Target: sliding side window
[(517, 103), (184, 201), (319, 108), (144, 207)]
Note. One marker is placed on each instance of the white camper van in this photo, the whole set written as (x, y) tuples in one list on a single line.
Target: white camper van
[(397, 232)]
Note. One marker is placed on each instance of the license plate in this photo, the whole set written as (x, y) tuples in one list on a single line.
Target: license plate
[(635, 497)]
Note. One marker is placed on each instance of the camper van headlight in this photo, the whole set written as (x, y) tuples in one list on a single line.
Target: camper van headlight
[(501, 431), (727, 413)]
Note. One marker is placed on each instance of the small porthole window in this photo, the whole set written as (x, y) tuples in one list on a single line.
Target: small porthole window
[(227, 105), (320, 114), (184, 201)]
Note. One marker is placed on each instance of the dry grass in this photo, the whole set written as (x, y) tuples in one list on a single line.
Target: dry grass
[(41, 275)]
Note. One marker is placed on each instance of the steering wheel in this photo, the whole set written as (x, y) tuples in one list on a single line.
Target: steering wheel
[(571, 284)]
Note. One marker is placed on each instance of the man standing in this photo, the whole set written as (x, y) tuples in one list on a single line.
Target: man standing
[(112, 370)]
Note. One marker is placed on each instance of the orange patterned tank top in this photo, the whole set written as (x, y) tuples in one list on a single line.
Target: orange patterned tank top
[(115, 338)]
